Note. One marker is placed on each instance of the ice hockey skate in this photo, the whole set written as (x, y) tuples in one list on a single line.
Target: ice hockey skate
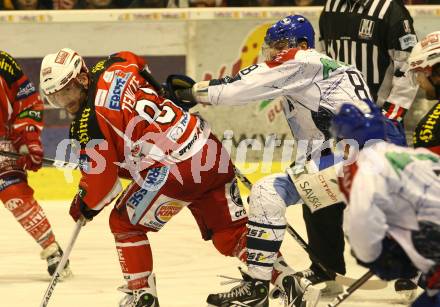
[(52, 254), (406, 288), (295, 291), (144, 297), (249, 293), (332, 288)]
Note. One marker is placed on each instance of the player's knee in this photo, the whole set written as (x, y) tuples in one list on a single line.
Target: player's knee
[(17, 190), (18, 198), (118, 222), (266, 199), (231, 241)]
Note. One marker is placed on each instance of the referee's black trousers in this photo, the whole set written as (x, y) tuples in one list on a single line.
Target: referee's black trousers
[(326, 237)]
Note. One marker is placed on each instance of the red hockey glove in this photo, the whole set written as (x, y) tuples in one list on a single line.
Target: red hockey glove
[(79, 208), (29, 145)]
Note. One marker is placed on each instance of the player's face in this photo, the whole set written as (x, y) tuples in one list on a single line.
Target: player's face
[(272, 50), (70, 97)]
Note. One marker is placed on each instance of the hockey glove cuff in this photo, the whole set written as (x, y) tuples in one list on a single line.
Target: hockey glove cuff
[(393, 111)]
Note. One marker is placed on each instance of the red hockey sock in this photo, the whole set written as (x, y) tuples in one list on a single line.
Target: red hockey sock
[(135, 258), (18, 199)]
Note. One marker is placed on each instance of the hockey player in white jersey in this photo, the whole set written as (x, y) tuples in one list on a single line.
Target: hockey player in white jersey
[(392, 218), (313, 88)]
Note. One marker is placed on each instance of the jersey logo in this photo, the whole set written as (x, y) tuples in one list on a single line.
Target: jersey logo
[(116, 90), (61, 57), (366, 29), (25, 90), (407, 41)]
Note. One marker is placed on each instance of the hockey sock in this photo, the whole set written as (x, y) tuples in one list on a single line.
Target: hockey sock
[(32, 218), (135, 258)]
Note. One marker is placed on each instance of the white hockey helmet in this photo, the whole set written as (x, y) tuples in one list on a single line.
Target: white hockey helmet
[(425, 53), (57, 69)]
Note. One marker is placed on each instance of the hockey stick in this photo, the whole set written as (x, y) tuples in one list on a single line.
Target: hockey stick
[(356, 285), (343, 280), (63, 261), (46, 161)]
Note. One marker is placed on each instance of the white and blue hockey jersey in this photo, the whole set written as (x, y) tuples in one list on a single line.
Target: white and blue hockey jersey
[(391, 190), (311, 85)]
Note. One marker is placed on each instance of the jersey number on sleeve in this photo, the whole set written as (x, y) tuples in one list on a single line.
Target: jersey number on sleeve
[(247, 70)]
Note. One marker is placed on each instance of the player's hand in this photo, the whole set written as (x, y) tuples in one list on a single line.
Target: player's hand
[(79, 208), (178, 88), (392, 263), (29, 145)]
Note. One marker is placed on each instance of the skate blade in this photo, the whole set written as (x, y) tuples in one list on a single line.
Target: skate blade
[(331, 289), (408, 296), (311, 296), (65, 275)]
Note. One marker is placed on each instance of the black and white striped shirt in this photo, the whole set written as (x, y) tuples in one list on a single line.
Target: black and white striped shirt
[(376, 36)]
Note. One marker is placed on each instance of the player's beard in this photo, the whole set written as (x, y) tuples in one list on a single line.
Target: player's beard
[(76, 104)]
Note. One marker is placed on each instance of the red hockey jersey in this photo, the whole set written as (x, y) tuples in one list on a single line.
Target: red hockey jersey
[(21, 105), (125, 127)]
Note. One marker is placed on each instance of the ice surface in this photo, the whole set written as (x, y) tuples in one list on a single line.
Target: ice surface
[(185, 265)]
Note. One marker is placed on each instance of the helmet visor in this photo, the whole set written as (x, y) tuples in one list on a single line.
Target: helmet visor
[(66, 97)]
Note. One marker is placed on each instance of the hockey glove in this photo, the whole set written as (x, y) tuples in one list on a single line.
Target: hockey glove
[(395, 133), (29, 145), (178, 88), (79, 208), (392, 263)]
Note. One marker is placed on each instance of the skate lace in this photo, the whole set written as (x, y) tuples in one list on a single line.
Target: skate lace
[(307, 273), (239, 290)]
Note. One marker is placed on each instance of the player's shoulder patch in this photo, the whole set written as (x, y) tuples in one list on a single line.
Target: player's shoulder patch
[(282, 57), (85, 126), (9, 68), (407, 41), (111, 88)]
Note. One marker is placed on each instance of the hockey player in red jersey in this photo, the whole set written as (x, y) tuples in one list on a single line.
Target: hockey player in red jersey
[(22, 122), (126, 129)]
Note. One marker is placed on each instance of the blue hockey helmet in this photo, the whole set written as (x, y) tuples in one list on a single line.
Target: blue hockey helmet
[(292, 28), (352, 123)]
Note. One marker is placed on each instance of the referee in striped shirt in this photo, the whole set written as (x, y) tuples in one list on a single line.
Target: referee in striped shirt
[(375, 36)]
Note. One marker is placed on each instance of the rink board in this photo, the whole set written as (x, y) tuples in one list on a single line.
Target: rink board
[(52, 183)]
